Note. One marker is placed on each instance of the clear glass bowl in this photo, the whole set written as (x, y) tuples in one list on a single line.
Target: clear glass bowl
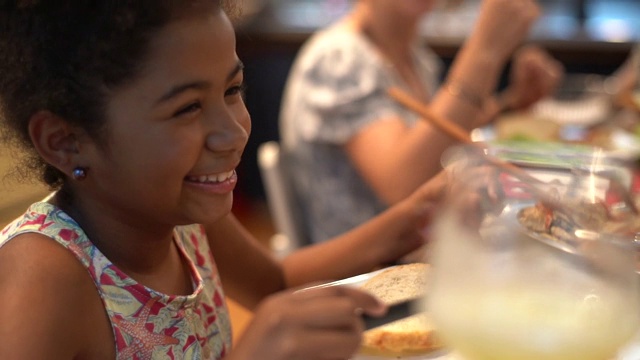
[(501, 290)]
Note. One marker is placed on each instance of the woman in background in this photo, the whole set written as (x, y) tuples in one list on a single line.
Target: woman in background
[(353, 150)]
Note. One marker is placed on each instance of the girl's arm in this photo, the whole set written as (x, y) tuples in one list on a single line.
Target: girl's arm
[(322, 323), (382, 240), (250, 273)]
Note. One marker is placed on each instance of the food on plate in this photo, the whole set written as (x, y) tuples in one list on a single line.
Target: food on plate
[(527, 127), (557, 225), (602, 137), (410, 336)]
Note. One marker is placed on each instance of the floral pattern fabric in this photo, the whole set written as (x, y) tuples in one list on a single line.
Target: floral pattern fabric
[(146, 324)]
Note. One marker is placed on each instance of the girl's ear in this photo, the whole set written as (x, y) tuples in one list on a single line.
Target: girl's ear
[(55, 140)]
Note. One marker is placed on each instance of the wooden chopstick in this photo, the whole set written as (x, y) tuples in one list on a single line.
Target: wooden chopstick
[(448, 127), (458, 133), (452, 129)]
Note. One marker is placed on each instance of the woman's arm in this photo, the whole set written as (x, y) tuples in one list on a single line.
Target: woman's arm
[(534, 75), (626, 76), (396, 159)]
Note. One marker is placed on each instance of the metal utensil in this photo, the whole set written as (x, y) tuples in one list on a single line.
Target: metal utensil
[(395, 312)]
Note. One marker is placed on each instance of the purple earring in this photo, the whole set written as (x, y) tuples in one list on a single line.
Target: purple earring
[(79, 173)]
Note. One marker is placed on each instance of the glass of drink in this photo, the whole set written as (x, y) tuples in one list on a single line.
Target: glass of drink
[(499, 287)]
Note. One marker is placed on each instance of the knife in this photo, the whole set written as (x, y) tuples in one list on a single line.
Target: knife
[(395, 312)]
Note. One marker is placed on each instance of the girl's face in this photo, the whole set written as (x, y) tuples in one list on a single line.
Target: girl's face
[(176, 133)]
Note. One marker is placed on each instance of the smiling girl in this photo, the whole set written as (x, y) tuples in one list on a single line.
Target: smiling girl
[(133, 113)]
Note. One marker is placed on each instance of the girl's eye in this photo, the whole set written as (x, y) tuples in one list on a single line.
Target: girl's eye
[(236, 90), (191, 108)]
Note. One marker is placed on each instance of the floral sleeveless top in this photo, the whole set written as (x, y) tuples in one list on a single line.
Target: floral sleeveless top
[(146, 324)]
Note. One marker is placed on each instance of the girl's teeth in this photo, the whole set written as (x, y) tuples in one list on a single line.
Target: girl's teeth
[(212, 178)]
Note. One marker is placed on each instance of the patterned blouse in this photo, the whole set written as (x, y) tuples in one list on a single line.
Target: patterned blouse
[(337, 87), (146, 324)]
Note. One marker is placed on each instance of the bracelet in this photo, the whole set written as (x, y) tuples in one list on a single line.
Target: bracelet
[(458, 91)]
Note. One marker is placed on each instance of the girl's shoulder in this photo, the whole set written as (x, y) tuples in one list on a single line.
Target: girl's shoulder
[(38, 264), (44, 290), (29, 256), (43, 218), (34, 252)]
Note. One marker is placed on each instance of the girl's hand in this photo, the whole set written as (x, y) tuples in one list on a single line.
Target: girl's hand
[(323, 323)]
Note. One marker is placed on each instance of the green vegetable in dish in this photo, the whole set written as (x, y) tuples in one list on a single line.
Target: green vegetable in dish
[(540, 153), (523, 137)]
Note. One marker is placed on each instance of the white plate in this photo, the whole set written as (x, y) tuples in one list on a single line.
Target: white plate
[(580, 100), (359, 280), (583, 112)]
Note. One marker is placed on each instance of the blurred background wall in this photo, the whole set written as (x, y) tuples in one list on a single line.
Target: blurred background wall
[(587, 36)]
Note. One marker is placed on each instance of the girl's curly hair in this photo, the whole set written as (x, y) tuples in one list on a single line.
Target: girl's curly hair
[(65, 56)]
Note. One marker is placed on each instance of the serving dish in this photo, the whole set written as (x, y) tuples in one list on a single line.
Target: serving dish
[(619, 142), (630, 352)]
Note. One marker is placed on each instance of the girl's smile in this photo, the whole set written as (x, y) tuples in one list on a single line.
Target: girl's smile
[(220, 183)]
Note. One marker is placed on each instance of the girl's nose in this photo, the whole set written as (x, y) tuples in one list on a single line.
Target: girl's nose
[(230, 132)]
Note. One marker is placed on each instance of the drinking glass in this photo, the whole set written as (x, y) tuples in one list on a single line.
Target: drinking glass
[(499, 287)]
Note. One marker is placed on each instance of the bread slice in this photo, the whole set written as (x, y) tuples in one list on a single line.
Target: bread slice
[(410, 336)]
